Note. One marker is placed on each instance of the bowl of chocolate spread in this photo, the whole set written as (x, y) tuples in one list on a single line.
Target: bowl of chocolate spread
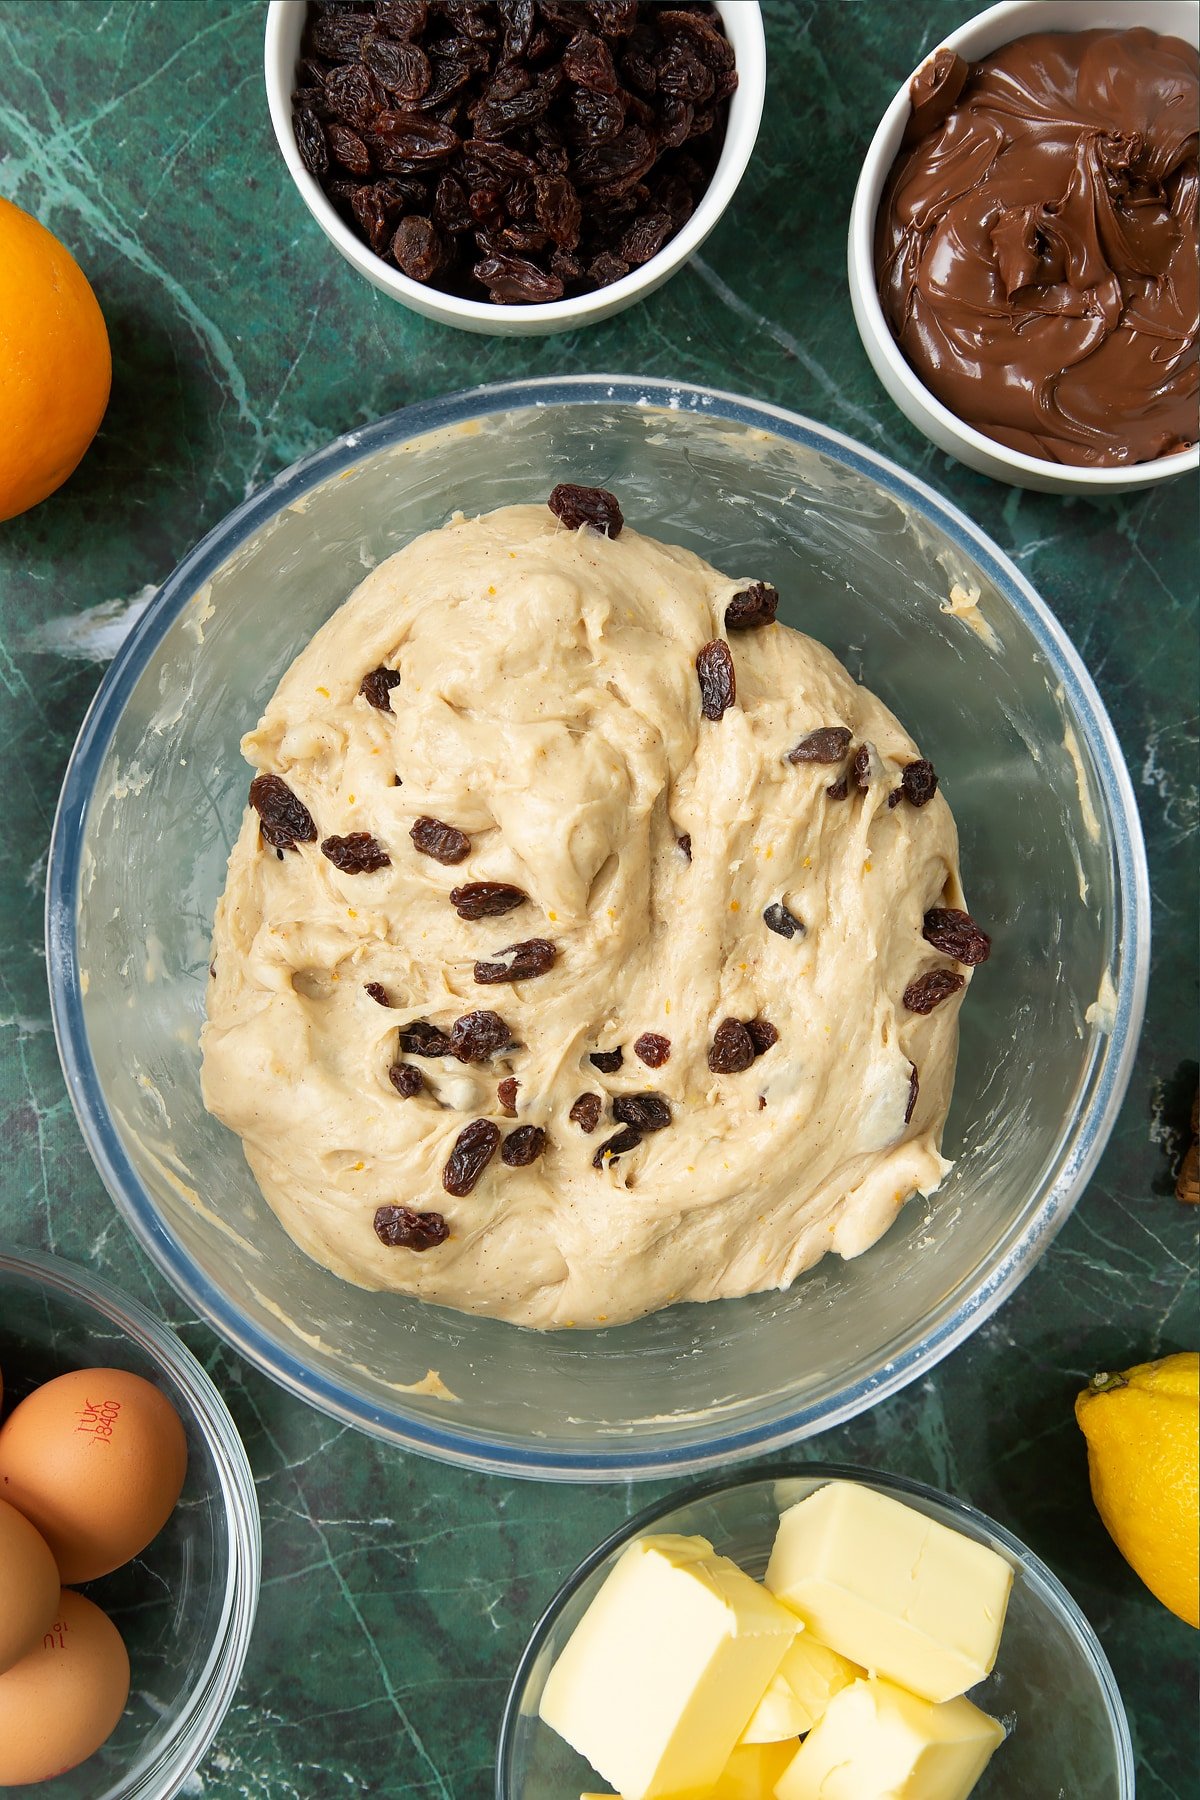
[(1023, 244)]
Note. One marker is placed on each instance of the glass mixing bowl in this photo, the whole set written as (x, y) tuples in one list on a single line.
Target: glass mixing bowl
[(185, 1607), (1051, 1687), (867, 559)]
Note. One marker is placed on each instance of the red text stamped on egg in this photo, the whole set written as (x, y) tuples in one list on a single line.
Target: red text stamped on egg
[(98, 1418)]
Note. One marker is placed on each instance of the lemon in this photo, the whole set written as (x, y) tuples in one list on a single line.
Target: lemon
[(1143, 1437)]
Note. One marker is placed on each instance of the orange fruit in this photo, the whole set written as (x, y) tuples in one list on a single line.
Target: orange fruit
[(55, 363)]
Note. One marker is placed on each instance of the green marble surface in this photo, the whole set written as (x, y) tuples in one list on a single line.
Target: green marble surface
[(397, 1594)]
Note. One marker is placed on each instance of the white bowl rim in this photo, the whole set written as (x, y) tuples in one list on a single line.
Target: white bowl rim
[(579, 309), (1068, 1165), (1078, 478), (210, 1696), (901, 1487)]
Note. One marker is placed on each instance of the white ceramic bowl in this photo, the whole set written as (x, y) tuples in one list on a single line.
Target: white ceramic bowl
[(986, 32), (742, 20)]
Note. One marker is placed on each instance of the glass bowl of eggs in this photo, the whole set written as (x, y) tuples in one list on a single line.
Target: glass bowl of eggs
[(117, 1450)]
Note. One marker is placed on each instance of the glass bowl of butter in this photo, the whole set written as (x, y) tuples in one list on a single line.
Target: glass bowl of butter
[(834, 1633)]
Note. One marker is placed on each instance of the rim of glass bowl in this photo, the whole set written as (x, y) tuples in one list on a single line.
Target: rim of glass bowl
[(1067, 1168), (208, 1700), (1034, 1569)]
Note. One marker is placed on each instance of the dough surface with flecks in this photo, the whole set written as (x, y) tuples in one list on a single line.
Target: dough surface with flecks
[(548, 707)]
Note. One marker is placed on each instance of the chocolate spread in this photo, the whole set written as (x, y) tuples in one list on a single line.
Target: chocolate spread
[(1036, 249)]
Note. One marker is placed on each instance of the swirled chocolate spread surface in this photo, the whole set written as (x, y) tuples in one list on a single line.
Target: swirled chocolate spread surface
[(1035, 246)]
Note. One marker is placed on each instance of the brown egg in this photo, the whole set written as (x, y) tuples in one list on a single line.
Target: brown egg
[(60, 1703), (29, 1586), (96, 1460)]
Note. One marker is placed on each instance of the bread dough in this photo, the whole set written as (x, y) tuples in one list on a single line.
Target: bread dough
[(549, 708)]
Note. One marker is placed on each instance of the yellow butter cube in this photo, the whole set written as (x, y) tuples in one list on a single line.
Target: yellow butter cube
[(877, 1742), (658, 1679), (891, 1589), (750, 1773), (815, 1673), (778, 1715)]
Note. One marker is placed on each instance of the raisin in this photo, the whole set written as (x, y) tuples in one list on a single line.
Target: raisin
[(376, 687), (918, 782), (450, 209), (607, 1061), (486, 899), (588, 62), (956, 934), (377, 992), (732, 1048), (518, 17), (348, 149), (523, 1146), (778, 918), (445, 843), (376, 209), (356, 854), (914, 1088), (401, 1229), (594, 118), (607, 268), (652, 1049), (417, 250), (685, 844), (763, 1035), (419, 1038), (338, 34), (828, 744), (621, 1141), (310, 141), (406, 143), (475, 1036), (754, 606), (864, 766), (685, 77), (645, 1112), (283, 821), (402, 68), (586, 1112), (558, 210), (718, 685), (514, 280), (837, 790), (353, 95), (518, 962), (402, 18), (929, 990), (506, 1094), (474, 1148), (405, 18), (406, 1080), (614, 166), (592, 506)]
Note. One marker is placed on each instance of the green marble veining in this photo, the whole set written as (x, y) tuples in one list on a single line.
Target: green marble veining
[(397, 1593)]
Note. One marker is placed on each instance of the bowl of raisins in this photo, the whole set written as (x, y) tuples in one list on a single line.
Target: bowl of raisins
[(516, 167)]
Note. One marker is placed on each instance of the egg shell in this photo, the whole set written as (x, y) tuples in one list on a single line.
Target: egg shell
[(63, 1700), (95, 1460), (29, 1586)]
